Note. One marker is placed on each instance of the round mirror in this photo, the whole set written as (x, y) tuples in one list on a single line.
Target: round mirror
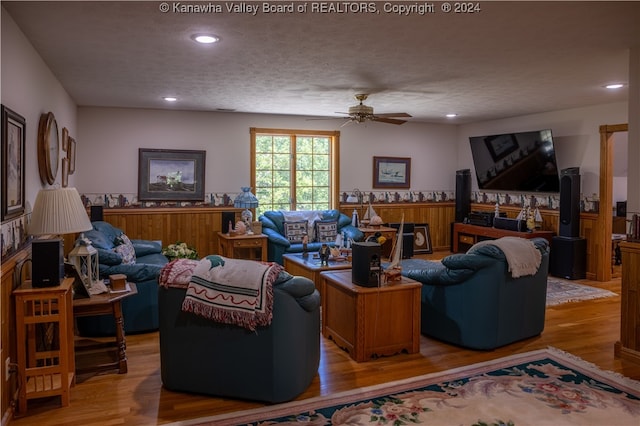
[(48, 148)]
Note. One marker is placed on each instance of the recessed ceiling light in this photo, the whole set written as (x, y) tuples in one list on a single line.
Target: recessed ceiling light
[(170, 98), (614, 86), (452, 115), (205, 38)]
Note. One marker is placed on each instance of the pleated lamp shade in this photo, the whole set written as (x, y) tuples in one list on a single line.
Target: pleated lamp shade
[(58, 211)]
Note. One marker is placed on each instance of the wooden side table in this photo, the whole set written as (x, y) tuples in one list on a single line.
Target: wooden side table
[(231, 246), (105, 304), (44, 321), (369, 322)]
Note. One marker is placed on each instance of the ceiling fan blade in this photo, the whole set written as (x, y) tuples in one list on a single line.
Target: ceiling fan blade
[(389, 120), (394, 114)]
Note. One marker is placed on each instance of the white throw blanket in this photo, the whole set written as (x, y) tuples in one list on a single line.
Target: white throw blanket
[(232, 291), (522, 255)]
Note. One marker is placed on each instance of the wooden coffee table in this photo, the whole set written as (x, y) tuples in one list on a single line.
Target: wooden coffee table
[(101, 304), (368, 322), (296, 264)]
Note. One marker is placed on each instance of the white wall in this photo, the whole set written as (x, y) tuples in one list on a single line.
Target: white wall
[(576, 137), (109, 138), (30, 89)]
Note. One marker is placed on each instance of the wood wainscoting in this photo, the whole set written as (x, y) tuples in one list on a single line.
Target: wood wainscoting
[(440, 216), (9, 272), (196, 226)]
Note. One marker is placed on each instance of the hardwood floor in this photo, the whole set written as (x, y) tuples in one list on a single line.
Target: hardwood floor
[(586, 329)]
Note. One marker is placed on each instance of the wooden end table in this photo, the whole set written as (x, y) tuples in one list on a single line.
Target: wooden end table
[(368, 322), (105, 304), (296, 264), (227, 246)]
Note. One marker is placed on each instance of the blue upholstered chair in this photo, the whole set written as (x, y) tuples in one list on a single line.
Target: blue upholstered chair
[(471, 299), (140, 311)]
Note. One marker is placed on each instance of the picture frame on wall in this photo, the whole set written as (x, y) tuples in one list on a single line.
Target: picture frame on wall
[(171, 174), (13, 160), (422, 239), (391, 172)]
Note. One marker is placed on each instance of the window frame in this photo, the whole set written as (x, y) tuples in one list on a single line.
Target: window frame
[(334, 160)]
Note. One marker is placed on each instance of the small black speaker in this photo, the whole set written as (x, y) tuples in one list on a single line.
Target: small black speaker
[(569, 202), (47, 263), (621, 208), (568, 257), (509, 224), (365, 264), (96, 214), (463, 194), (227, 218)]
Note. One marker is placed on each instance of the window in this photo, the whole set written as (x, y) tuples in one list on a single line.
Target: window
[(294, 169)]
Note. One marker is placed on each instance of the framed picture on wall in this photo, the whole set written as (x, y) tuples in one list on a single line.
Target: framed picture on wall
[(170, 175), (13, 128), (391, 172), (421, 239)]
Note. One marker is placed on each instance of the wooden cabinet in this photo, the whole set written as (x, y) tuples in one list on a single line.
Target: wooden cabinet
[(368, 322), (629, 345), (465, 235), (44, 333)]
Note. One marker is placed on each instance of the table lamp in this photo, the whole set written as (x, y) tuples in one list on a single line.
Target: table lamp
[(56, 211), (246, 200)]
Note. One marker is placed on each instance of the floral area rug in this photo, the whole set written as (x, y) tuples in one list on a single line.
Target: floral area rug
[(558, 290), (544, 387)]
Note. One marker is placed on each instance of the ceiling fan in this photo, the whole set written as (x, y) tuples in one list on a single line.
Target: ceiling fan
[(362, 113)]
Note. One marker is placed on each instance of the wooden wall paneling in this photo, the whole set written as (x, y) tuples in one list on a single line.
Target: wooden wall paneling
[(196, 226), (8, 328)]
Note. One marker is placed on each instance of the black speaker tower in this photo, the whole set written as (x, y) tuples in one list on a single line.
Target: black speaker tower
[(366, 269), (569, 202), (463, 194), (47, 263)]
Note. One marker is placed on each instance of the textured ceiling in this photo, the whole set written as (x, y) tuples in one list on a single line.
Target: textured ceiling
[(509, 59)]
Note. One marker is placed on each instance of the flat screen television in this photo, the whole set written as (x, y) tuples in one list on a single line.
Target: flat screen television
[(523, 161)]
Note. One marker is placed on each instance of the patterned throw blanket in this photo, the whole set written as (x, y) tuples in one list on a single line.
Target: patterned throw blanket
[(232, 291)]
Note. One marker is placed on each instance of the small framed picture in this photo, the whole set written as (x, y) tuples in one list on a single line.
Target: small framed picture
[(391, 172), (422, 239)]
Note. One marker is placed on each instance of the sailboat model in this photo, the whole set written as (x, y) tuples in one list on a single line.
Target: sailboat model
[(368, 214), (393, 272)]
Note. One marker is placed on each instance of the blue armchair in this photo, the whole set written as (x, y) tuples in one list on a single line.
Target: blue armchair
[(472, 300), (142, 267), (273, 226), (274, 364)]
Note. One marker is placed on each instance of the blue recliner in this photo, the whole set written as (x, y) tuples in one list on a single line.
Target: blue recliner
[(471, 299), (274, 363), (140, 311)]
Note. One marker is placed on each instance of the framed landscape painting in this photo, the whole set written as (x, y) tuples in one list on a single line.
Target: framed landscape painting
[(171, 175), (391, 172), (13, 128)]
